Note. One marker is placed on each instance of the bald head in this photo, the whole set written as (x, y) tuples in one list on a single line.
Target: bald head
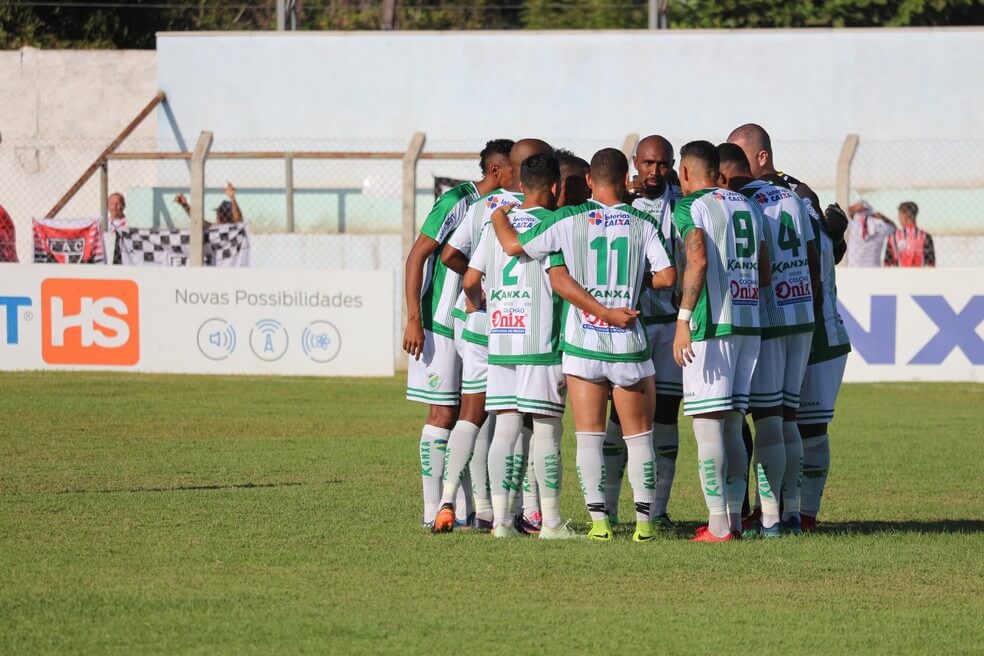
[(754, 140), (653, 160), (520, 151)]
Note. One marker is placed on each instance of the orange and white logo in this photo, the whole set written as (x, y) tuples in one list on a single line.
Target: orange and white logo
[(90, 321)]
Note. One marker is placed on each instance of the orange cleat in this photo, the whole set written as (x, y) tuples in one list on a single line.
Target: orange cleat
[(808, 524), (749, 521), (444, 522), (706, 536)]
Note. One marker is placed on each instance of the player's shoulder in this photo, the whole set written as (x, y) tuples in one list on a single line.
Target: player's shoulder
[(464, 192), (640, 214), (569, 211)]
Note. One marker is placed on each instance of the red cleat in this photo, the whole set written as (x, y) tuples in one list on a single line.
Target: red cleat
[(444, 522), (808, 524), (707, 536)]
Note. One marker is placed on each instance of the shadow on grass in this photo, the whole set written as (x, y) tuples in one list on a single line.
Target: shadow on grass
[(883, 526), (186, 488)]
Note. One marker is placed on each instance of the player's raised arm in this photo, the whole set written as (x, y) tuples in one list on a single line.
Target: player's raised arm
[(505, 232), (569, 290)]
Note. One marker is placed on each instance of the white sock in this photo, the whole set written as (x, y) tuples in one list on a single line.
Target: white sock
[(433, 442), (737, 472), (770, 466), (502, 476), (642, 473), (531, 491), (591, 472), (793, 475), (547, 433), (710, 466), (479, 470), (816, 463), (521, 452), (666, 445), (615, 459), (456, 459)]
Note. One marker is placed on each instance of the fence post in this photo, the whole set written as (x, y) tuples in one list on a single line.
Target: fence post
[(104, 195), (289, 184), (848, 150), (410, 203), (629, 145), (198, 198)]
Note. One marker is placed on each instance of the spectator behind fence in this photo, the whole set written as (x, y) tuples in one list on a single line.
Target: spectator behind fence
[(8, 238), (866, 235), (227, 211), (116, 205), (909, 246)]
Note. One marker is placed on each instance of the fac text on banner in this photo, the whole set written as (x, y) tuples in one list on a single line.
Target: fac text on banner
[(913, 324), (196, 320)]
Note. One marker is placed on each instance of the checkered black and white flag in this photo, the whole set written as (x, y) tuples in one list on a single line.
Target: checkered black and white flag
[(225, 245)]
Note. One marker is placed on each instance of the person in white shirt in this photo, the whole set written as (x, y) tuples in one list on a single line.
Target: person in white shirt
[(866, 235)]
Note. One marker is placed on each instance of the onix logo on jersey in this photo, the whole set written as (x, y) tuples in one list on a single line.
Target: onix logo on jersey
[(510, 321), (795, 290), (744, 292), (90, 322)]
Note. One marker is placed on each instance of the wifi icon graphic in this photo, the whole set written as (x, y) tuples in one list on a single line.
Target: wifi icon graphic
[(321, 341), (268, 340), (216, 339)]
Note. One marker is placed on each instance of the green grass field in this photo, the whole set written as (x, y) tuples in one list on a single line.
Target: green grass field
[(167, 514)]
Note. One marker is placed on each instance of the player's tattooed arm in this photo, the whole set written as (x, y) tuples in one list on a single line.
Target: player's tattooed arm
[(472, 286), (454, 259), (505, 232), (413, 277), (764, 266), (572, 292), (813, 261), (693, 282)]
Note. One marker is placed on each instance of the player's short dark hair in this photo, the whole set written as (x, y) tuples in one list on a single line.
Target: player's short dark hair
[(705, 151), (755, 133), (494, 147), (732, 155), (910, 208), (609, 165), (538, 172)]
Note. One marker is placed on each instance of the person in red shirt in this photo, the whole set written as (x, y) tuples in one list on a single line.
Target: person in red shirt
[(8, 238), (909, 246)]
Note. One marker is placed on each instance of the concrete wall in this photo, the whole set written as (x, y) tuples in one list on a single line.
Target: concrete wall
[(59, 109)]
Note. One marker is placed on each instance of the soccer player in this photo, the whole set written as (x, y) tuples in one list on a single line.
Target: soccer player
[(471, 341), (606, 245), (524, 374), (573, 179), (430, 290), (717, 329), (824, 372), (787, 319)]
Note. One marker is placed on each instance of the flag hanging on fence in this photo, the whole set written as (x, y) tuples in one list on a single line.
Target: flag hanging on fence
[(225, 245), (68, 241)]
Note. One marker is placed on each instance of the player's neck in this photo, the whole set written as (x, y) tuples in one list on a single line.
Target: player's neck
[(768, 169), (652, 193), (485, 185), (607, 195), (737, 182), (538, 199)]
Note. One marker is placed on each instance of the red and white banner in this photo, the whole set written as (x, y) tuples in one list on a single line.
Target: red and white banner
[(68, 241)]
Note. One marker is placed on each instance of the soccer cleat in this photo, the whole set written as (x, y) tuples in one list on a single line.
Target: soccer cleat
[(792, 525), (425, 524), (749, 521), (601, 531), (480, 525), (445, 521), (644, 532), (706, 536), (526, 526), (562, 532), (756, 530), (613, 519), (503, 531), (808, 524), (663, 523)]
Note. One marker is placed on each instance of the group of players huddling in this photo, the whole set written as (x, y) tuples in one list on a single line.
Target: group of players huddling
[(551, 277)]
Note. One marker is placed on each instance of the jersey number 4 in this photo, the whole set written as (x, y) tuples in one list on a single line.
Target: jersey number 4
[(788, 241), (621, 247)]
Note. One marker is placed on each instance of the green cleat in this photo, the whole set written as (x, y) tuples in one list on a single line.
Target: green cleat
[(663, 523), (562, 532), (644, 532), (503, 531), (601, 531)]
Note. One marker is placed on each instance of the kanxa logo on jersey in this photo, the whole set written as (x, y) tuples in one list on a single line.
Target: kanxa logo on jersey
[(795, 289), (744, 292)]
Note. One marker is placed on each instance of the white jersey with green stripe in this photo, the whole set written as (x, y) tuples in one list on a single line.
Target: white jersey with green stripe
[(441, 286), (659, 305), (786, 306), (465, 239), (830, 339), (607, 250), (732, 225), (524, 312)]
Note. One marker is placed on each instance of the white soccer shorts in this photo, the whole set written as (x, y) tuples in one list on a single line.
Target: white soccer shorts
[(435, 379), (474, 362), (820, 388), (720, 376), (778, 375), (537, 389), (619, 374), (668, 376)]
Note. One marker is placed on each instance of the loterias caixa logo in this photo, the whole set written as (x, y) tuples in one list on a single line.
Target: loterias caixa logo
[(95, 322)]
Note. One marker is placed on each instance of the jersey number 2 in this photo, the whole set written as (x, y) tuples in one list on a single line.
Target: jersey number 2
[(621, 247)]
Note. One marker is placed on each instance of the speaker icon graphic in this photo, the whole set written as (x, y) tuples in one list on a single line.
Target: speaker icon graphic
[(216, 339)]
